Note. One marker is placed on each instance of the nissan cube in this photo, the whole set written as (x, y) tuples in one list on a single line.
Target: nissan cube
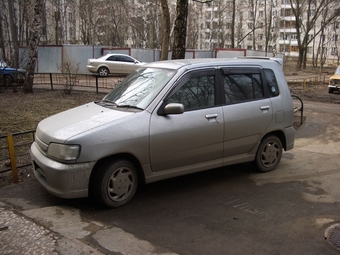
[(166, 119)]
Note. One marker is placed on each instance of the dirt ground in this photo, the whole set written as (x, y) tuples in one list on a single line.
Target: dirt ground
[(21, 112)]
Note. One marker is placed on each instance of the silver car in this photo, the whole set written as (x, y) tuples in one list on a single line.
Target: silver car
[(167, 119), (113, 64)]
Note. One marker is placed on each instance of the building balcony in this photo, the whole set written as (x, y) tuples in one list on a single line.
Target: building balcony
[(292, 42), (289, 18), (288, 30)]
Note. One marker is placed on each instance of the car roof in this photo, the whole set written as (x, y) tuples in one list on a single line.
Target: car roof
[(115, 54), (203, 62)]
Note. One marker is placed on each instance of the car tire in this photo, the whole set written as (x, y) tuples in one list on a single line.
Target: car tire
[(268, 154), (103, 71), (8, 81), (114, 183), (330, 90)]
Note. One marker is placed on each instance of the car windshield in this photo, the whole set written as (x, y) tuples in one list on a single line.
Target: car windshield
[(337, 71), (140, 87)]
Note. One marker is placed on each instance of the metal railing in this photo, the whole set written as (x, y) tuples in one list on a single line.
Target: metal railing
[(298, 108), (14, 152), (88, 82)]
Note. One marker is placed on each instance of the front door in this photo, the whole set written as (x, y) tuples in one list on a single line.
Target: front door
[(194, 139)]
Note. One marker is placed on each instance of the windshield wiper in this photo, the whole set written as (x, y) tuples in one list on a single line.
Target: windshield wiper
[(129, 106), (105, 102)]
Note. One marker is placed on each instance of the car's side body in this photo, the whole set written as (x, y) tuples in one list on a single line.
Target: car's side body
[(113, 64), (174, 134), (334, 81), (9, 75)]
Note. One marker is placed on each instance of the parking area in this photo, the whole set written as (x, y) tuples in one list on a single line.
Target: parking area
[(230, 210)]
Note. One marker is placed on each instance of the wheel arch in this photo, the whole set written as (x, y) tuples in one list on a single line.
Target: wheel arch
[(121, 156), (280, 134)]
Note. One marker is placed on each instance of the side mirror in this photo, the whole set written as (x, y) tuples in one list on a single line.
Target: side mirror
[(173, 108)]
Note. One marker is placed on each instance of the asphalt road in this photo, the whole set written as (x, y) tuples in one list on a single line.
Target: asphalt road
[(230, 210)]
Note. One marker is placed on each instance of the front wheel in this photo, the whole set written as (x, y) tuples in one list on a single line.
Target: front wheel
[(8, 81), (330, 90), (115, 183), (268, 154)]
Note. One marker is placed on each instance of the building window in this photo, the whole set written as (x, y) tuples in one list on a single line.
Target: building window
[(250, 37), (334, 51), (335, 38), (228, 37), (250, 15), (294, 49), (228, 26), (250, 25)]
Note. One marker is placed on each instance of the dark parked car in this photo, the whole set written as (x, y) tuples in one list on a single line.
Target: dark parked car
[(9, 75)]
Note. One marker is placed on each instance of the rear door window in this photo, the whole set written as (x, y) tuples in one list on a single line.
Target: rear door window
[(242, 85)]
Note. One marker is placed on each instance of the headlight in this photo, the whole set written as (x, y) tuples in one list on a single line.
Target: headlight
[(63, 151), (332, 82)]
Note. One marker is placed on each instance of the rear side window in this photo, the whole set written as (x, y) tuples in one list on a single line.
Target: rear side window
[(271, 82), (239, 87)]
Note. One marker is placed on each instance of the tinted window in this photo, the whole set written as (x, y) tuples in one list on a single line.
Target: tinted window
[(242, 87), (271, 83), (112, 58), (197, 92), (126, 59)]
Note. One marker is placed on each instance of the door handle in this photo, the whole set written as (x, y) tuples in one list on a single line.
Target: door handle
[(264, 108), (211, 117)]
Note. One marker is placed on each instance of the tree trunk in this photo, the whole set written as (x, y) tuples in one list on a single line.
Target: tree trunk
[(14, 34), (33, 47), (166, 30), (233, 25), (180, 31)]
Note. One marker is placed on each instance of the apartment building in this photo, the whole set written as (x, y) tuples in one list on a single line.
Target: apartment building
[(261, 25)]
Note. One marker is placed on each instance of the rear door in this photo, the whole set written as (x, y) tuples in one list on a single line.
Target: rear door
[(247, 110), (128, 64), (194, 139)]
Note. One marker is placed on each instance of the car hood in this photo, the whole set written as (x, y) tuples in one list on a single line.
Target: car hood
[(62, 126), (335, 77)]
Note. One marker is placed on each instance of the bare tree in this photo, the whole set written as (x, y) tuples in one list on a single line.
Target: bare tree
[(306, 13), (180, 31), (34, 35), (166, 30)]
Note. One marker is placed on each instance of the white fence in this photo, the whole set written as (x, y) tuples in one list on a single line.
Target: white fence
[(52, 59)]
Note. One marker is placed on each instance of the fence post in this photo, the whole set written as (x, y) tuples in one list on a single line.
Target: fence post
[(51, 81), (304, 85), (97, 84), (12, 158)]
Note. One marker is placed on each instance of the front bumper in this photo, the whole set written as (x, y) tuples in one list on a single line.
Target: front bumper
[(59, 179), (334, 87)]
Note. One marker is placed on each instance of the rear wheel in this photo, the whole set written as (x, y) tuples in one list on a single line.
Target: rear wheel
[(115, 183), (268, 154), (103, 71)]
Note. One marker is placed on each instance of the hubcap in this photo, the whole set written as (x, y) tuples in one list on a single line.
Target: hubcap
[(120, 184), (270, 154)]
